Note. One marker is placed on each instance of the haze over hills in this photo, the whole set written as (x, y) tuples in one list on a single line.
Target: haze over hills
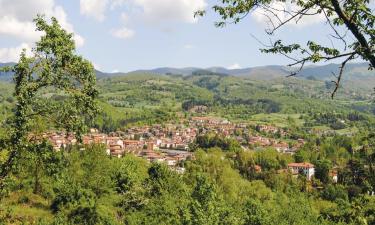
[(355, 71), (324, 72), (256, 72)]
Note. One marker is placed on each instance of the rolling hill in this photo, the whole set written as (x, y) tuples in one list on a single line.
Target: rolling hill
[(356, 75), (353, 72)]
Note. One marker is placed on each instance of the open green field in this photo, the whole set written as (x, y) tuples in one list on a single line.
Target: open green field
[(278, 119)]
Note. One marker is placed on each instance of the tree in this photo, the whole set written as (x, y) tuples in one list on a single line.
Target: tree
[(245, 163), (53, 67), (212, 140), (205, 206), (96, 168), (129, 177), (166, 199), (256, 213), (351, 22), (355, 173), (322, 170), (268, 159), (130, 174), (69, 195), (300, 156), (42, 161), (334, 192)]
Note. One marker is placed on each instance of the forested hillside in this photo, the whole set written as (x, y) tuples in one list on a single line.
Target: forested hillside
[(167, 96), (191, 146)]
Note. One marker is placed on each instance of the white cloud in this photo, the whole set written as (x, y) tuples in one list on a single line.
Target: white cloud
[(123, 33), (117, 3), (12, 54), (16, 21), (124, 18), (61, 16), (21, 30), (79, 40), (97, 8), (94, 8), (188, 46), (170, 10), (25, 10), (260, 16), (234, 66), (147, 11), (151, 11), (96, 66)]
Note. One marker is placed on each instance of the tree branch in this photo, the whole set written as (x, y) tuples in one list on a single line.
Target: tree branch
[(367, 51), (339, 77)]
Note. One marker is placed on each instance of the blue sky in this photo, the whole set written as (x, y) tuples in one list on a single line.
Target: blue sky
[(125, 35)]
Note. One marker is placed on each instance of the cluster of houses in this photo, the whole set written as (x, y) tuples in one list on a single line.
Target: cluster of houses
[(152, 149), (169, 143), (270, 129), (281, 146), (226, 128)]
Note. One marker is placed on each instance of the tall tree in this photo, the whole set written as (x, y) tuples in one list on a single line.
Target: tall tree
[(351, 22), (206, 202), (54, 68), (322, 170)]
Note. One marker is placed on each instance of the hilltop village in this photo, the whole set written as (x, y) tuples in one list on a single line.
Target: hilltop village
[(170, 143)]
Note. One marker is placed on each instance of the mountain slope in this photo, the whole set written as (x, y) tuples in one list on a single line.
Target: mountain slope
[(357, 72), (321, 72), (326, 71)]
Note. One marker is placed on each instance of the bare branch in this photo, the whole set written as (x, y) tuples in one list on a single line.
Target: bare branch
[(367, 51), (338, 35), (339, 77), (299, 70)]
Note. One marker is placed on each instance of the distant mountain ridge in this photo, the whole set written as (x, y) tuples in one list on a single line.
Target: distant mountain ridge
[(319, 72), (281, 70), (6, 76)]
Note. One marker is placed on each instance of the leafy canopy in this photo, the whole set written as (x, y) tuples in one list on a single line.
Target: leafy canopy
[(55, 84)]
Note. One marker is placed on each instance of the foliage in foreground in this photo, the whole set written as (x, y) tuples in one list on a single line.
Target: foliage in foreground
[(53, 66), (89, 187)]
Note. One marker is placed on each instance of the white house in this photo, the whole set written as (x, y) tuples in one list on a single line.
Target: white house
[(306, 168)]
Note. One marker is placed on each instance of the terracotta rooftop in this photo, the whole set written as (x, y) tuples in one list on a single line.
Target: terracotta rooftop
[(304, 165)]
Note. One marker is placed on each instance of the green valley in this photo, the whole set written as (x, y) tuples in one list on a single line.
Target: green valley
[(265, 145)]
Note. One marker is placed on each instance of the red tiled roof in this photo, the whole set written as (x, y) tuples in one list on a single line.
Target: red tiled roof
[(304, 165)]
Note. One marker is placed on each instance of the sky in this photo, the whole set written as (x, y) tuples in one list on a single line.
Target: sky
[(126, 35)]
